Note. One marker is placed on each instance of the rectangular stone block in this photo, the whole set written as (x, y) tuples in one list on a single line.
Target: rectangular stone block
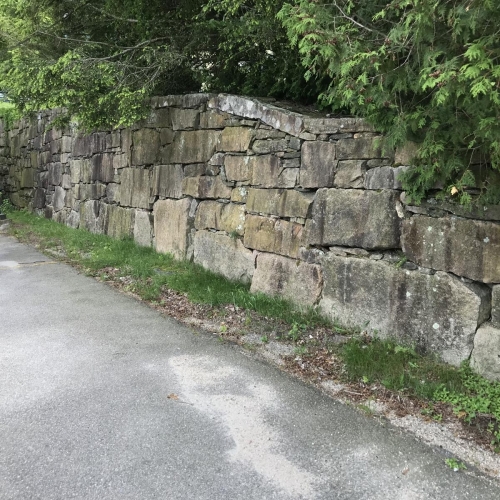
[(116, 221), (206, 187), (89, 213), (135, 187), (143, 228), (462, 246), (436, 313), (224, 255), (299, 282), (172, 227), (146, 147), (184, 119), (485, 358), (102, 167), (235, 139), (167, 181), (354, 218), (384, 178), (273, 235), (318, 164), (226, 217), (281, 202), (55, 174), (350, 174), (195, 146), (238, 168), (362, 148)]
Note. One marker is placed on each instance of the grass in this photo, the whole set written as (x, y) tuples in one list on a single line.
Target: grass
[(398, 368), (8, 113), (152, 271)]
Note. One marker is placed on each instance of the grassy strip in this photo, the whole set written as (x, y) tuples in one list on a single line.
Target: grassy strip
[(473, 398), (368, 361), (152, 271)]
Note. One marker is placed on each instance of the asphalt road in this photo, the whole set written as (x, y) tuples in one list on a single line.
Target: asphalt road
[(103, 398)]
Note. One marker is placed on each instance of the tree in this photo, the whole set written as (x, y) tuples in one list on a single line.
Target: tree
[(421, 70)]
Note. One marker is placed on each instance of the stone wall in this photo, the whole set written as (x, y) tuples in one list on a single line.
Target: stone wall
[(306, 208)]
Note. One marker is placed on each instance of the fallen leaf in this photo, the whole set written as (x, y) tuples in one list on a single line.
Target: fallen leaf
[(173, 396), (405, 471), (454, 191)]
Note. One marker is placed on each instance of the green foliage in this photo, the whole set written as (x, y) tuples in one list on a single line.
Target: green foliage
[(421, 70), (8, 114)]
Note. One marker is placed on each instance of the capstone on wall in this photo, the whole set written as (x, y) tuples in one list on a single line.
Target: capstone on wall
[(307, 208)]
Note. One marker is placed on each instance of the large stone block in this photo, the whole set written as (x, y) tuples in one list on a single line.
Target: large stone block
[(273, 235), (436, 313), (221, 216), (354, 218), (116, 221), (55, 174), (89, 213), (318, 164), (350, 174), (384, 178), (224, 255), (183, 119), (172, 227), (195, 146), (462, 246), (143, 228), (238, 168), (206, 187), (59, 199), (485, 358), (146, 147), (362, 148), (135, 188), (281, 202), (28, 178), (102, 167), (290, 279), (235, 139), (167, 181)]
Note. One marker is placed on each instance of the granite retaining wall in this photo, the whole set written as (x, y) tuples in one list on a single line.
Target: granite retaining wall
[(306, 208)]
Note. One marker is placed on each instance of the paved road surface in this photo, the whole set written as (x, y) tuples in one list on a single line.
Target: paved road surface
[(102, 398)]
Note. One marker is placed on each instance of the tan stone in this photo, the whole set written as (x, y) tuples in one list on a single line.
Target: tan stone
[(485, 358), (195, 146), (206, 187), (235, 139), (318, 164), (436, 313), (213, 119), (282, 202), (146, 147), (354, 218), (239, 194), (290, 279), (183, 119), (135, 188), (238, 168), (464, 247), (172, 227), (89, 213), (167, 181), (273, 235), (226, 217), (224, 255), (350, 174)]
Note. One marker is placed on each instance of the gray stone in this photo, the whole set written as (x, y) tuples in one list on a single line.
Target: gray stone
[(270, 146), (75, 167), (196, 146), (59, 199), (167, 181), (235, 139), (115, 221), (336, 125), (213, 119), (363, 148), (181, 101), (350, 174), (318, 164), (92, 191), (297, 281), (102, 167), (281, 202), (206, 187), (485, 358), (146, 147), (172, 227), (224, 255), (226, 217), (404, 155), (184, 119), (73, 220), (354, 218), (238, 168), (194, 170), (135, 188), (436, 313), (273, 235), (143, 228), (55, 174), (462, 246), (89, 213), (495, 306), (286, 121), (113, 192), (384, 178)]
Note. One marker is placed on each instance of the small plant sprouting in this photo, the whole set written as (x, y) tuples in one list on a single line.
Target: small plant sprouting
[(454, 464), (264, 339)]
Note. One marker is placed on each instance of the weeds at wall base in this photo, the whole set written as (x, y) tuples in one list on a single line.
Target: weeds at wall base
[(441, 390)]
